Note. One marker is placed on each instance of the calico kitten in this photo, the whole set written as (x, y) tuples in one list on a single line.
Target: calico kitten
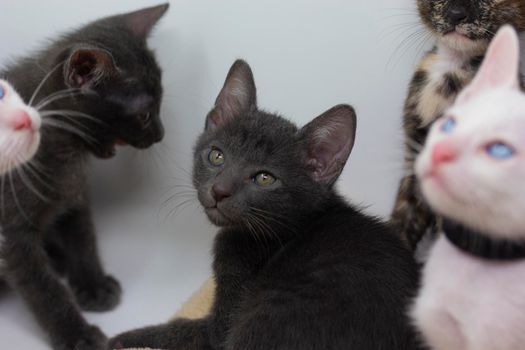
[(471, 172), (463, 29), (95, 87), (296, 266), (19, 129)]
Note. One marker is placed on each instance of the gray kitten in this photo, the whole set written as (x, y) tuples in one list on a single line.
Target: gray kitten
[(96, 87), (296, 266)]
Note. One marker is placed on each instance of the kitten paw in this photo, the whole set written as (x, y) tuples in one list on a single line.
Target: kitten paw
[(139, 338), (122, 341), (103, 295), (91, 339)]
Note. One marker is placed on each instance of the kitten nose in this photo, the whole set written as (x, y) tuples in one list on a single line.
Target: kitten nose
[(457, 14), (220, 191), (21, 120), (443, 153)]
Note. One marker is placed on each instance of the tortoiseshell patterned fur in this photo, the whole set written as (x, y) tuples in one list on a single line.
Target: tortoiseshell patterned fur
[(438, 79)]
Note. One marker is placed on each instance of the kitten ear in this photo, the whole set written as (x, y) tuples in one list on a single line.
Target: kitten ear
[(237, 96), (329, 141), (500, 68), (88, 66), (141, 22)]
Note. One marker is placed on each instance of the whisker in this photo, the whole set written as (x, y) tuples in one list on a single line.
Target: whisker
[(57, 96), (27, 182), (269, 229), (36, 175), (3, 196), (252, 228), (407, 43), (179, 206), (65, 112), (69, 128), (15, 198), (44, 80)]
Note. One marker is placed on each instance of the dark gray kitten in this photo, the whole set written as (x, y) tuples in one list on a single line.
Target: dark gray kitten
[(95, 87), (296, 266)]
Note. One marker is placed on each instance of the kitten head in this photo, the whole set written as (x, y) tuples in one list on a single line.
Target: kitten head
[(118, 78), (252, 166), (19, 129), (473, 164), (469, 25)]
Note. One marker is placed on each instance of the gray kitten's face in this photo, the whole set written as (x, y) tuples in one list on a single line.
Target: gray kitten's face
[(256, 168), (251, 167), (470, 24)]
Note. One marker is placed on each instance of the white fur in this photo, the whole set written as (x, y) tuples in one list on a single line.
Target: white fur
[(458, 41), (471, 304), (16, 146), (468, 303)]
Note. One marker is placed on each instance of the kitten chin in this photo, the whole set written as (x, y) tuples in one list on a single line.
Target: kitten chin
[(218, 218), (462, 44)]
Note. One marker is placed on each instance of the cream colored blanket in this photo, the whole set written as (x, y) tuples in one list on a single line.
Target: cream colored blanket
[(198, 305)]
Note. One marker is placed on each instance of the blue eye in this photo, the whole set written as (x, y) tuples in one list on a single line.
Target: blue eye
[(2, 92), (448, 125), (500, 150)]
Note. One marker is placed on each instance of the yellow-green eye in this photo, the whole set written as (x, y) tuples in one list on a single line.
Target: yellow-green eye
[(264, 179), (216, 157)]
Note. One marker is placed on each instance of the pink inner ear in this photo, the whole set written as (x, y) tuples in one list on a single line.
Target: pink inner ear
[(330, 140), (500, 67), (328, 157), (237, 96), (86, 65)]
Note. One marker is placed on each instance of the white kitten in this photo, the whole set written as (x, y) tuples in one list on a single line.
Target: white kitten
[(19, 129), (19, 132), (472, 171)]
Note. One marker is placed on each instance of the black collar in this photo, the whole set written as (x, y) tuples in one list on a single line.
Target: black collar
[(478, 244)]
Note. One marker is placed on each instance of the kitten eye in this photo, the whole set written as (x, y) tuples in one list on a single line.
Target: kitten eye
[(145, 119), (448, 125), (500, 150), (264, 179), (216, 157), (2, 92)]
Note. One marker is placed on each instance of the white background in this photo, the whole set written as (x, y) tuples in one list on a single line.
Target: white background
[(306, 56)]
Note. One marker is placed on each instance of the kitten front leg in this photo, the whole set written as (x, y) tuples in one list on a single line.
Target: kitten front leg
[(181, 334), (93, 289), (411, 217), (28, 272)]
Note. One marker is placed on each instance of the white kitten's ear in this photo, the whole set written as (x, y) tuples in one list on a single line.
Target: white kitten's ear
[(500, 68), (87, 66), (238, 96), (141, 22), (329, 141)]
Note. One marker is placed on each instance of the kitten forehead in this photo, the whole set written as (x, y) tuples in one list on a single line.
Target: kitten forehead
[(489, 107), (258, 136)]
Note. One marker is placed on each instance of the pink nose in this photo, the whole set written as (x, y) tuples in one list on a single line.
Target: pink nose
[(443, 153), (21, 120)]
